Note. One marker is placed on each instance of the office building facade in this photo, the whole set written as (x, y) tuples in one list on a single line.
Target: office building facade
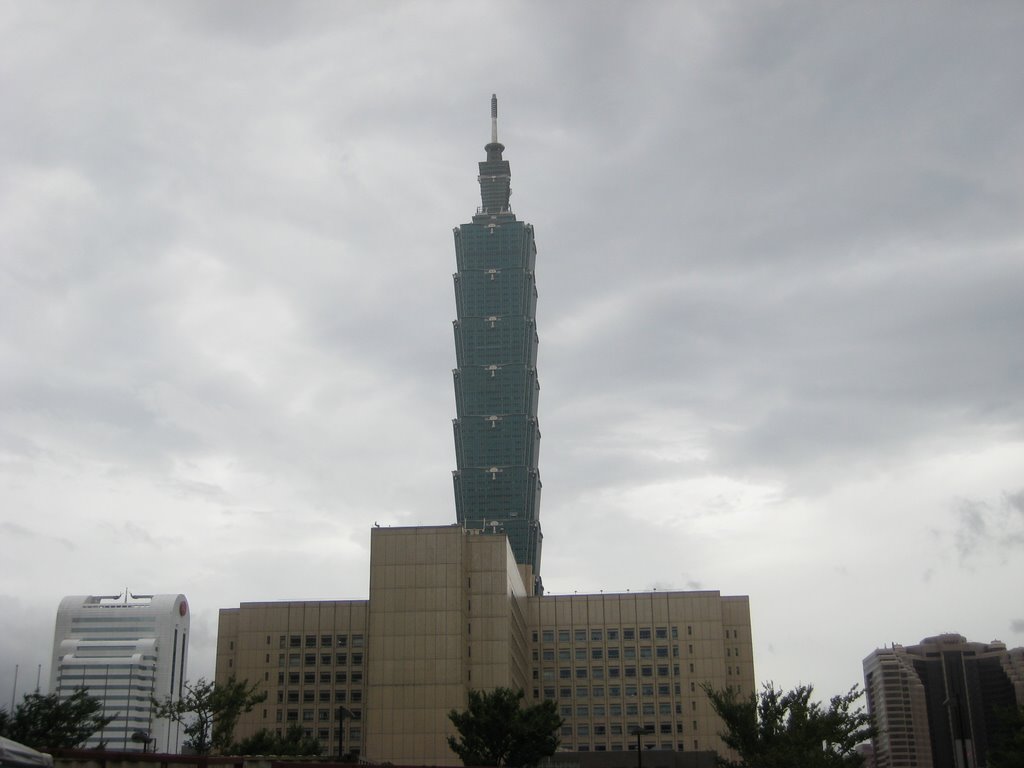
[(449, 611), (937, 704), (124, 650)]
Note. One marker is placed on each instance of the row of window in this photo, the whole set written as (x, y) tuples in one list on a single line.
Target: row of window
[(615, 729), (325, 659), (631, 747), (597, 653), (322, 715), (319, 641), (598, 635), (325, 678), (585, 711), (548, 674), (324, 697), (646, 690)]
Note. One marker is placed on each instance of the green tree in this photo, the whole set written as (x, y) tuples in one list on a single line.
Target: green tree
[(293, 742), (209, 712), (1007, 744), (496, 731), (779, 729), (50, 721)]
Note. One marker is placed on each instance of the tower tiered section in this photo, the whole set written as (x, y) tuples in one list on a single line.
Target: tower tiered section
[(497, 438)]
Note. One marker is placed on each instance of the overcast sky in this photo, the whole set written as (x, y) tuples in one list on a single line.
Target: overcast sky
[(781, 275)]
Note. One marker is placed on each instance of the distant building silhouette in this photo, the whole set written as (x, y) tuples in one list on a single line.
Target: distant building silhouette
[(937, 704)]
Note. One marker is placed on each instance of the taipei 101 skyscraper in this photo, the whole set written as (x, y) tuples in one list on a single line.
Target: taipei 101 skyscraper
[(497, 439)]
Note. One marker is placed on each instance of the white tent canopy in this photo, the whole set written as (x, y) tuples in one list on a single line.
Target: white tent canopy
[(15, 755)]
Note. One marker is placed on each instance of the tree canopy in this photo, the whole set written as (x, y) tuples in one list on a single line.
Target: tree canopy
[(209, 712), (1007, 748), (50, 721), (779, 729), (293, 742), (496, 731)]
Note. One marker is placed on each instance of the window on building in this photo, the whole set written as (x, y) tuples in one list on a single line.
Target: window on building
[(645, 633), (310, 659), (582, 692), (663, 670), (613, 634), (581, 673), (294, 659), (613, 653), (565, 693), (341, 658), (307, 715), (564, 673), (632, 709), (580, 635), (356, 696), (293, 678), (307, 696), (661, 633), (357, 677), (357, 641), (616, 729), (293, 714), (563, 635), (295, 641), (615, 710), (326, 641), (311, 641), (581, 654), (664, 708), (598, 691), (357, 659), (599, 710), (293, 697), (597, 653), (645, 651), (325, 659), (549, 635), (549, 654), (663, 689), (629, 633), (341, 677), (595, 635), (565, 710), (340, 696), (342, 641), (582, 710), (309, 678)]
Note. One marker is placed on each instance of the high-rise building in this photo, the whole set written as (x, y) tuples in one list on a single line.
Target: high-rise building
[(497, 439), (937, 704), (459, 607), (125, 650)]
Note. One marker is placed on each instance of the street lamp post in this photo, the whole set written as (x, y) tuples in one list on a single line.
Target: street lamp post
[(343, 712), (640, 730)]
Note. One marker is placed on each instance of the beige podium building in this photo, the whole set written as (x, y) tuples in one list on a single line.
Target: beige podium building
[(449, 611)]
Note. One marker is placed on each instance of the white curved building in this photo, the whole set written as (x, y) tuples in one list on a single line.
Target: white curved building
[(125, 650)]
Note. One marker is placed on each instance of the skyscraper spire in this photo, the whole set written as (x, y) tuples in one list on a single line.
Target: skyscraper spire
[(495, 148), (494, 118)]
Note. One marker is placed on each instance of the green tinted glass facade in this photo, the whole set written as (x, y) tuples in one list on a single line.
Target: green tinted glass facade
[(497, 440)]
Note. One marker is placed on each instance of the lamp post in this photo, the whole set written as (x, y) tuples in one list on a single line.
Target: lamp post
[(343, 712), (638, 731)]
